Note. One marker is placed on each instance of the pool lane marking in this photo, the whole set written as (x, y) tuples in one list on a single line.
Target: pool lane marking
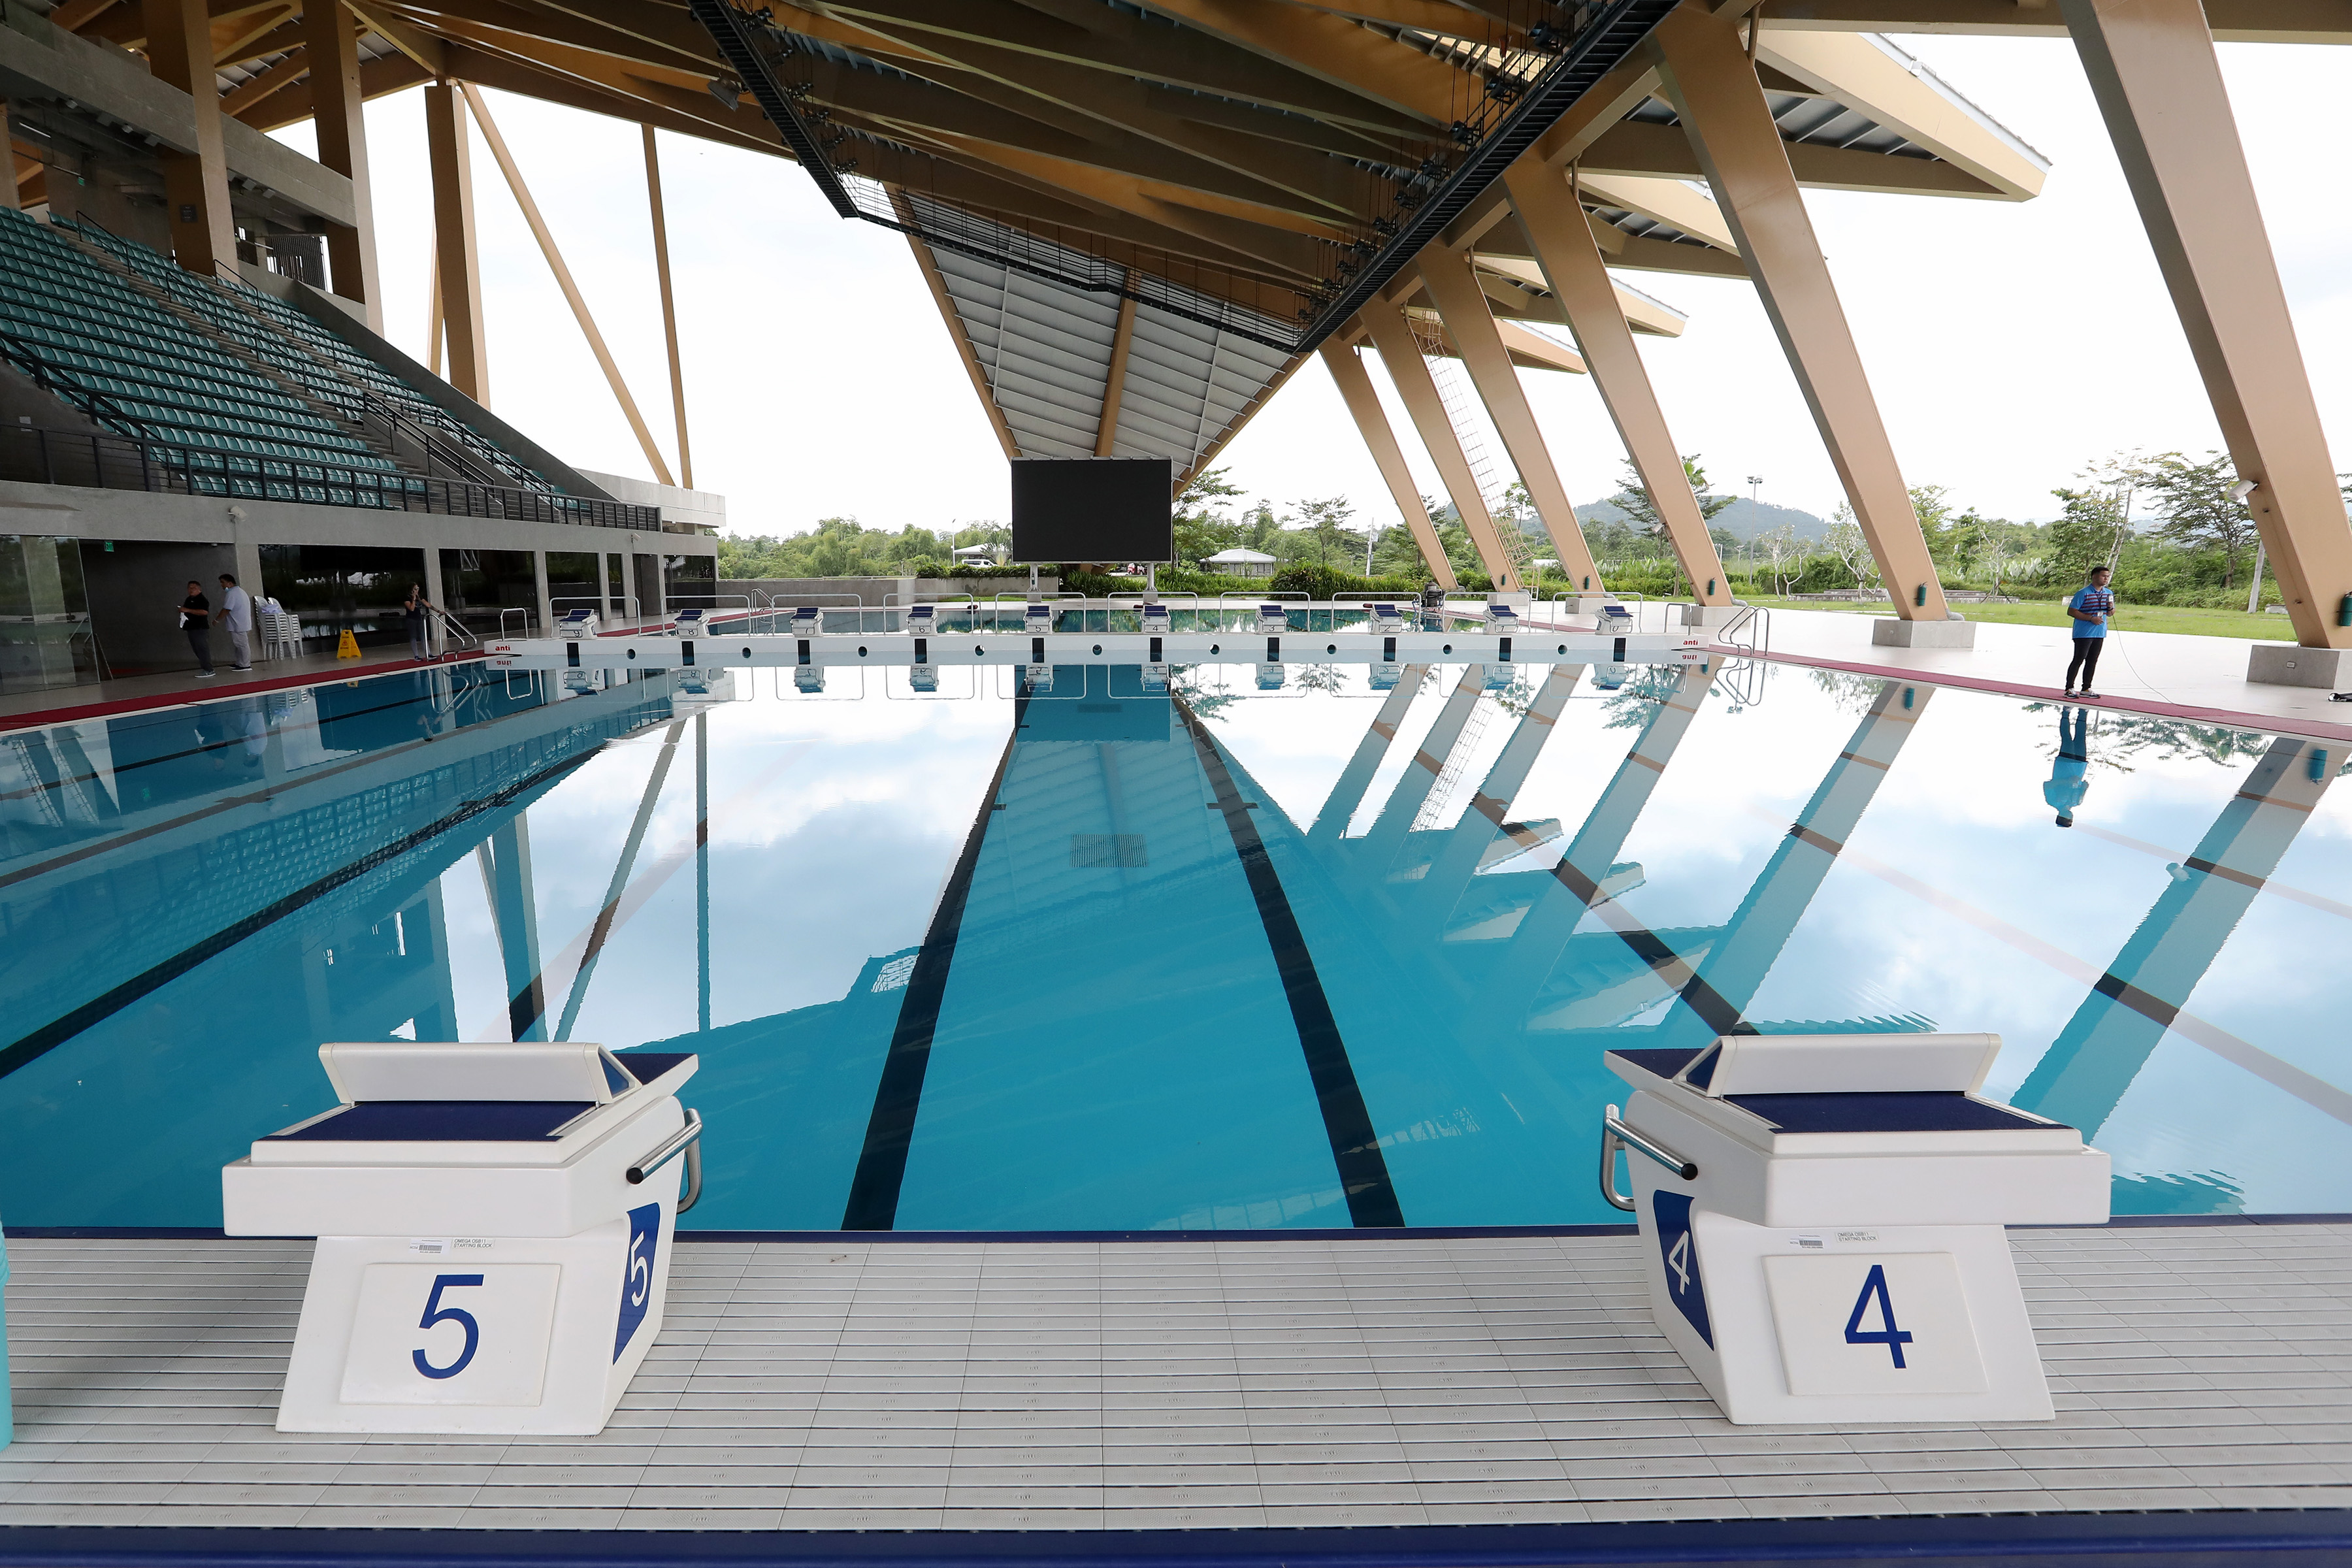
[(58, 1031), (1717, 1011), (890, 1128), (2313, 1091), (1355, 1146), (2271, 885)]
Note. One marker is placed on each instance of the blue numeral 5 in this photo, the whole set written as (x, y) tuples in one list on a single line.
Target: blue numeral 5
[(434, 1312)]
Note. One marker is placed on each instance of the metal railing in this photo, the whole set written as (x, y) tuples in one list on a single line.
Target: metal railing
[(104, 461)]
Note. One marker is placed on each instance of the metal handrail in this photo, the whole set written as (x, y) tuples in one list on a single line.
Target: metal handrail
[(450, 622), (1615, 1135), (107, 460), (525, 611), (688, 1138)]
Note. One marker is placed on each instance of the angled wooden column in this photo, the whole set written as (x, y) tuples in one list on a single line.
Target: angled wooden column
[(2158, 85), (456, 262), (1392, 336), (195, 184), (1462, 305), (1714, 89), (1364, 403), (1564, 249), (1122, 344), (332, 39), (669, 307)]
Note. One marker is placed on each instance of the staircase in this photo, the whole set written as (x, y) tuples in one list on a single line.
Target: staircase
[(1456, 399)]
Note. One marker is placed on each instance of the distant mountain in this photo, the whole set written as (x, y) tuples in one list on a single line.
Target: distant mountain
[(1744, 520)]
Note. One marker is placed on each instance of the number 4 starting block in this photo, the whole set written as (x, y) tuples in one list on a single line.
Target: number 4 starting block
[(494, 1227), (1822, 1218)]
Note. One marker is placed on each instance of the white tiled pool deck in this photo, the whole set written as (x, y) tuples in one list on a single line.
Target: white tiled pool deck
[(1006, 1386)]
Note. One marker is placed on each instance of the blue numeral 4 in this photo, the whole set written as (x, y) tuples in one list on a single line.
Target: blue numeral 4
[(1892, 1338)]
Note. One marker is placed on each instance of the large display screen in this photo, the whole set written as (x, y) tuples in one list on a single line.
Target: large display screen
[(1112, 509)]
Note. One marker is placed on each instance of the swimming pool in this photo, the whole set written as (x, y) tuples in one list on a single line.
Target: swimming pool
[(1098, 958)]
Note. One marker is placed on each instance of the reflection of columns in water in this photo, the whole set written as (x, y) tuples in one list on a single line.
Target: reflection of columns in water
[(1583, 871), (1339, 805), (513, 901), (702, 870), (1380, 845), (1460, 853), (1750, 942), (2112, 1035)]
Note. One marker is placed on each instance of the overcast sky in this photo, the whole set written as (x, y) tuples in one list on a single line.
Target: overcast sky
[(2009, 343)]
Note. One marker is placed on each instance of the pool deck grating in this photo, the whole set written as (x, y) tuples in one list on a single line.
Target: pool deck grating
[(1067, 1386)]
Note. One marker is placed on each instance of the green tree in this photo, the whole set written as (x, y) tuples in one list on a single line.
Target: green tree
[(1634, 501), (2193, 498), (1202, 528), (2081, 536), (1325, 522)]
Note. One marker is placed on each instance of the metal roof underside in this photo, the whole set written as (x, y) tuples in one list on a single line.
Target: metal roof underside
[(1046, 351)]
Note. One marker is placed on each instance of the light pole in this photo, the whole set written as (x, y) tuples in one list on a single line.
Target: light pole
[(1755, 526)]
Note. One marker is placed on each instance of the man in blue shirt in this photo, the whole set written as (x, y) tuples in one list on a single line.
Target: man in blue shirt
[(2089, 609)]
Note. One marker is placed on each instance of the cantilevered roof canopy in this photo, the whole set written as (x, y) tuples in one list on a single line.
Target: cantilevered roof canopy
[(1137, 215)]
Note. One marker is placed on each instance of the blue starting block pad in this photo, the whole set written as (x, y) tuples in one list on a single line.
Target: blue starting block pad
[(1824, 1218)]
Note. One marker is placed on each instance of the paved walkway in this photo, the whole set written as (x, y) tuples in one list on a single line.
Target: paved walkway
[(2196, 677), (1086, 1385)]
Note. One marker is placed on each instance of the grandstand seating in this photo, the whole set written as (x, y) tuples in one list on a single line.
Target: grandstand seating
[(135, 367), (140, 368)]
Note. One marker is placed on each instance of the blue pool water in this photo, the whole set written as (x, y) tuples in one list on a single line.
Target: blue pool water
[(1099, 959)]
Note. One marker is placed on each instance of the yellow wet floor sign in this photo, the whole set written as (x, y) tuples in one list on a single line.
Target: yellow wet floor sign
[(348, 646)]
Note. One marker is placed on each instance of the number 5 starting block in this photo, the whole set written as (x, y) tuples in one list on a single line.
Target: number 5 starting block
[(1821, 1222), (494, 1227)]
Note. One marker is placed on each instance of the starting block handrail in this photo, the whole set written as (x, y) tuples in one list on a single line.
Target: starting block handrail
[(1615, 1135), (688, 1138)]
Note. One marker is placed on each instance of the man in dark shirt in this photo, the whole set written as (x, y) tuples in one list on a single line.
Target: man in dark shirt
[(196, 620)]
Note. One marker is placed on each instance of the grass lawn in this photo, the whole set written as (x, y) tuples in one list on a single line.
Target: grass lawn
[(2128, 618)]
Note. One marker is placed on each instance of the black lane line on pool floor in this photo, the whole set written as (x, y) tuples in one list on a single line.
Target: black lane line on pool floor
[(52, 1034), (882, 1160), (1355, 1147)]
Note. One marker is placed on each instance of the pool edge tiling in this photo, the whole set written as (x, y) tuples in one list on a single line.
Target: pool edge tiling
[(985, 1385)]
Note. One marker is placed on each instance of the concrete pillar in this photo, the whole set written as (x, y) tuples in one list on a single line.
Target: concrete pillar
[(1462, 305), (456, 255), (1392, 336), (330, 40), (1714, 89), (2158, 85), (1564, 249), (1364, 404), (539, 579), (439, 635), (195, 184)]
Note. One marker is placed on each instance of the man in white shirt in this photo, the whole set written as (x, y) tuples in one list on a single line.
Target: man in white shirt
[(237, 615)]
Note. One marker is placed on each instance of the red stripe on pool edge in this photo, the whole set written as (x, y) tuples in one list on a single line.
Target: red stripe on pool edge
[(47, 716)]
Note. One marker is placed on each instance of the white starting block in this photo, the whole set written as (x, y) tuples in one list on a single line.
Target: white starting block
[(579, 622), (1153, 620), (1822, 1223), (922, 620), (808, 621), (494, 1227), (1037, 620), (1614, 620), (1502, 618), (1273, 619), (689, 622), (1386, 620)]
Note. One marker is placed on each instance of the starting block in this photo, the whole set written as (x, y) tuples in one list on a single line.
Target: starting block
[(921, 620), (580, 623), (1822, 1223), (1273, 619), (1152, 619), (807, 621), (494, 1223), (1385, 620), (687, 623), (1036, 620)]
